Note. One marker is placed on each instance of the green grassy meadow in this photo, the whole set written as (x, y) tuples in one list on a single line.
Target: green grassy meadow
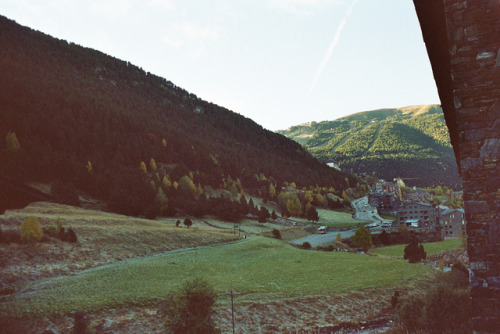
[(431, 248), (256, 269), (333, 218)]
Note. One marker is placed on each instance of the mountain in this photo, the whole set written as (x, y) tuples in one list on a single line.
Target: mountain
[(76, 115), (411, 142)]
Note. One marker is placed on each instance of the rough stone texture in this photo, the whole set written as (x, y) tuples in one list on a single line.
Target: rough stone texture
[(473, 117)]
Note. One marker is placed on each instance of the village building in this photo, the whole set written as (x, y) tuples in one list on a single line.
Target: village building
[(385, 197), (386, 188), (332, 163), (425, 213), (452, 223), (418, 195)]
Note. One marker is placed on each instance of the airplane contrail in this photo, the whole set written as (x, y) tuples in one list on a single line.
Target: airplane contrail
[(332, 46)]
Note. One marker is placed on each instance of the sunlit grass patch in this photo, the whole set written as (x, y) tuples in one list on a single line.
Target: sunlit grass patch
[(257, 268), (430, 248)]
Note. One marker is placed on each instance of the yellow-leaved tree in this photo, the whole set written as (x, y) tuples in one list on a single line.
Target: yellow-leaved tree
[(143, 167), (166, 182), (89, 167), (31, 230), (12, 142), (152, 164), (272, 191)]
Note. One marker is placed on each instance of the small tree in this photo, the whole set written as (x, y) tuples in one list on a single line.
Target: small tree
[(188, 222), (339, 237), (143, 167), (90, 170), (152, 164), (190, 310), (276, 234), (263, 215), (31, 230), (273, 215), (363, 238), (312, 214), (404, 233), (12, 142), (177, 223), (414, 252)]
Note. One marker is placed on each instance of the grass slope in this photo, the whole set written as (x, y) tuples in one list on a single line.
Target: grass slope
[(431, 248), (256, 268), (103, 238)]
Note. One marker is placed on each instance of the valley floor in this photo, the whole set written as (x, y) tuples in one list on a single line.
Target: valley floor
[(122, 269)]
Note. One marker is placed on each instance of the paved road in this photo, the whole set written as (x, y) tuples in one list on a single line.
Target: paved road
[(318, 239), (363, 212)]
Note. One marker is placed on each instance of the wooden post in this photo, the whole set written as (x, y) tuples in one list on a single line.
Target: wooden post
[(232, 310)]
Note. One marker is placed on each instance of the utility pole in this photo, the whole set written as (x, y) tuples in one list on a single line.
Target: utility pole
[(232, 310)]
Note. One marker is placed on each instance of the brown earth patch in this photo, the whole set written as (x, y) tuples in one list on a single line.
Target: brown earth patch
[(296, 315)]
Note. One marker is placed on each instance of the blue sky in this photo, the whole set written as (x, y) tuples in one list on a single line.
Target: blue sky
[(278, 62)]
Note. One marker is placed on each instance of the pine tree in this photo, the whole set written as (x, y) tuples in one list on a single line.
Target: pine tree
[(263, 215), (312, 214)]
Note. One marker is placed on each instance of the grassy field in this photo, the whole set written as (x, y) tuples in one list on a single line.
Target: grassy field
[(326, 217), (430, 247), (333, 218), (246, 225), (102, 238), (255, 269)]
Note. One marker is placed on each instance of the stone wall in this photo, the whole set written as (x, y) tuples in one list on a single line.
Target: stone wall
[(468, 78)]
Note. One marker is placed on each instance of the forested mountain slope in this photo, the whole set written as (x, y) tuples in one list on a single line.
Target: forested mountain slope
[(411, 142), (77, 115)]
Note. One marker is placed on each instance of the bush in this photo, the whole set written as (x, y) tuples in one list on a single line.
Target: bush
[(306, 245), (31, 230), (276, 234), (80, 323), (190, 310), (328, 248), (71, 236), (414, 253), (442, 308)]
